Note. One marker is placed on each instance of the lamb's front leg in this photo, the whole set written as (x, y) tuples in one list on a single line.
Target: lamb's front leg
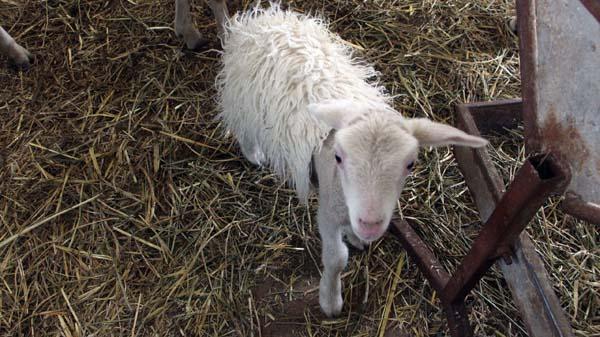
[(184, 26), (16, 54), (334, 257)]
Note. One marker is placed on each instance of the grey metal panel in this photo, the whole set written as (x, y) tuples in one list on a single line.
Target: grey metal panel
[(567, 80)]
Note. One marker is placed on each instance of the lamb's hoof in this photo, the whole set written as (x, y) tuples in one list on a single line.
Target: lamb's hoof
[(198, 44), (19, 57), (332, 306), (330, 296), (192, 38)]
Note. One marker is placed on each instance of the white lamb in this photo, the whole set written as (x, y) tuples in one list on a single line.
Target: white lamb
[(16, 54), (298, 102)]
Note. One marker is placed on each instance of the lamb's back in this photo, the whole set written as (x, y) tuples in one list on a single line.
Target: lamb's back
[(275, 63)]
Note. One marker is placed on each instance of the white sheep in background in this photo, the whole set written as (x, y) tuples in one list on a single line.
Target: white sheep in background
[(184, 28), (295, 99), (16, 54)]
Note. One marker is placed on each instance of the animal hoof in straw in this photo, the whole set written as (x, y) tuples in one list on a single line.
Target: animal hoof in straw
[(19, 57)]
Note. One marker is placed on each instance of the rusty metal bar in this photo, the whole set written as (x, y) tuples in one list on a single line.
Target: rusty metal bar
[(456, 313), (527, 41), (429, 265), (525, 276), (496, 115), (482, 178), (534, 183), (458, 320), (573, 204)]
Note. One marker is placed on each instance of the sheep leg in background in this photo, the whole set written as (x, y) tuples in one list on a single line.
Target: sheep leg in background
[(15, 53), (219, 9), (184, 26), (335, 257)]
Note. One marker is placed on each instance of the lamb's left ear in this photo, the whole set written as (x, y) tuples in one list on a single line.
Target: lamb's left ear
[(336, 113), (430, 133)]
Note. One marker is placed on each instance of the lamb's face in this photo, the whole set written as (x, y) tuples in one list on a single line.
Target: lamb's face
[(375, 150), (373, 158)]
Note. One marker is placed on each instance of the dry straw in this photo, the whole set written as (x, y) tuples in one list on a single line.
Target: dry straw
[(125, 212)]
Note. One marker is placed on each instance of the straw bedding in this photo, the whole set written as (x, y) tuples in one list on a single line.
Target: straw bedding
[(124, 212)]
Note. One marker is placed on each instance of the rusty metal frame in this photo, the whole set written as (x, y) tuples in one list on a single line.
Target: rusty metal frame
[(505, 214), (522, 268), (526, 16)]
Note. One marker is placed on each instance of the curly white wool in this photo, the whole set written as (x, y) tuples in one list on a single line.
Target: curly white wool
[(276, 63)]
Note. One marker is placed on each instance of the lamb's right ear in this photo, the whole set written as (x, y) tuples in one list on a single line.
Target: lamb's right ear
[(336, 113), (430, 133)]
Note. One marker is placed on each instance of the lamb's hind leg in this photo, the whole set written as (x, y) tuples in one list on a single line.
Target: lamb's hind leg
[(184, 26), (16, 54)]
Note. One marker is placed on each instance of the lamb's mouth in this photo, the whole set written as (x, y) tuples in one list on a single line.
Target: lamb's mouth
[(374, 235)]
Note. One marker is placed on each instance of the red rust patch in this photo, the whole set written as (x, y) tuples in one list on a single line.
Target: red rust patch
[(563, 139)]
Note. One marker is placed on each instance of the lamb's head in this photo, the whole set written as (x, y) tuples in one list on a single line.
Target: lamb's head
[(375, 150)]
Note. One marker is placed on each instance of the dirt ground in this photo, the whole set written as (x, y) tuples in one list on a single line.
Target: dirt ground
[(136, 216)]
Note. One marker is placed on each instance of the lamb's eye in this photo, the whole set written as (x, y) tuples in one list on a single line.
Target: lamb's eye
[(338, 159), (410, 166)]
